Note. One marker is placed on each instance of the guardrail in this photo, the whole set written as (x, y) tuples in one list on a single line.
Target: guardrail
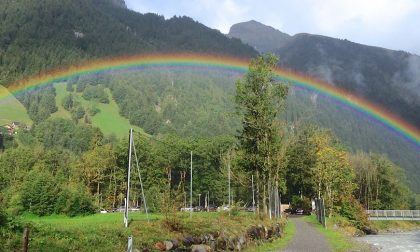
[(393, 214)]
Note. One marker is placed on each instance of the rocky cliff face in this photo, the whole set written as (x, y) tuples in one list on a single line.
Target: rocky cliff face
[(262, 37)]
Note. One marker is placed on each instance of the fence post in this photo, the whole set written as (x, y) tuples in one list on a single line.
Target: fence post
[(130, 244), (25, 239)]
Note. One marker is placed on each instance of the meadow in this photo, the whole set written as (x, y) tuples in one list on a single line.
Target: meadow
[(11, 109), (108, 119), (106, 232)]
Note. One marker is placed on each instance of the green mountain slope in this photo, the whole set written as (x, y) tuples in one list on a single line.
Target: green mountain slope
[(36, 36), (387, 77), (11, 109)]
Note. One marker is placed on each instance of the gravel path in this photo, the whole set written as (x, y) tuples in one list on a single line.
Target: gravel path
[(307, 238)]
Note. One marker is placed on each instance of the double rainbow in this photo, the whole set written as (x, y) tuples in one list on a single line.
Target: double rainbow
[(378, 114)]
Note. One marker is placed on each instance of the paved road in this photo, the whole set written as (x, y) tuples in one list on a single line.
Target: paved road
[(307, 238)]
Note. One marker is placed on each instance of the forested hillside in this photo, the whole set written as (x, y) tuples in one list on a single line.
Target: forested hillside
[(36, 36), (386, 77), (191, 102)]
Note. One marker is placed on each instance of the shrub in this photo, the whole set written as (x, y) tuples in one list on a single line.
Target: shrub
[(354, 212), (74, 200), (39, 192)]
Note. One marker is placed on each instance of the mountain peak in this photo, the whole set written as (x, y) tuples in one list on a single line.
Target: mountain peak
[(263, 37)]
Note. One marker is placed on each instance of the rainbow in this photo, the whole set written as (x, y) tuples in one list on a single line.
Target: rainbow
[(378, 114)]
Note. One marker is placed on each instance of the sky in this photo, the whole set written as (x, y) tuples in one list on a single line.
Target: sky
[(393, 24)]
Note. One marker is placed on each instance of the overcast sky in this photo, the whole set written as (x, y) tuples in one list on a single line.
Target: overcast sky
[(393, 24)]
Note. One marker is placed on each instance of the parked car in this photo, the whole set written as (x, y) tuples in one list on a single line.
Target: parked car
[(223, 208), (198, 209), (212, 208), (299, 211), (186, 209)]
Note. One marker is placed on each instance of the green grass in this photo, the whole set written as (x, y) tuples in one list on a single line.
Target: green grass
[(105, 232), (395, 226), (11, 109), (288, 234), (108, 119), (338, 240)]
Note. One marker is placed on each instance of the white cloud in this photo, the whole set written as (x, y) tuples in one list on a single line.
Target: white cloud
[(381, 15), (388, 23)]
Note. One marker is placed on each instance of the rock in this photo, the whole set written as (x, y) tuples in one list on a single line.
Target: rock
[(213, 245), (231, 244), (369, 231), (242, 240), (168, 245), (175, 244), (253, 233), (160, 246), (197, 240), (200, 248), (188, 241), (269, 233), (221, 244)]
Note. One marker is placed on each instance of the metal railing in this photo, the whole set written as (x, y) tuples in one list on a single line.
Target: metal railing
[(394, 214)]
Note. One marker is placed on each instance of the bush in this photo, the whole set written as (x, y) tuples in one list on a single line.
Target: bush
[(354, 212), (39, 192), (74, 200)]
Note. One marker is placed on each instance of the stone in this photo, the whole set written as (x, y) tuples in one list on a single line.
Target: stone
[(197, 240), (201, 248), (168, 245), (188, 241), (160, 246), (175, 244), (369, 230)]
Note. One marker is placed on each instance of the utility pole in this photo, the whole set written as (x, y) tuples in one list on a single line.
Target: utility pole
[(229, 181), (127, 200), (253, 193), (191, 177)]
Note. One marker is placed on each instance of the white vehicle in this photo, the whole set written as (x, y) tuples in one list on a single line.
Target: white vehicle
[(187, 209)]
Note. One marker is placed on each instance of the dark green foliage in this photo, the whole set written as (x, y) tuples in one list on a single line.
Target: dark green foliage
[(69, 86), (303, 203), (354, 212), (95, 93), (301, 158), (187, 103), (39, 192), (40, 103), (259, 101), (74, 200), (78, 112), (93, 110), (3, 216), (355, 131), (37, 36), (68, 102), (62, 133)]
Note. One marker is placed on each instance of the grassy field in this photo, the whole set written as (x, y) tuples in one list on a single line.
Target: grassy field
[(11, 109), (108, 119), (106, 232), (339, 241)]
